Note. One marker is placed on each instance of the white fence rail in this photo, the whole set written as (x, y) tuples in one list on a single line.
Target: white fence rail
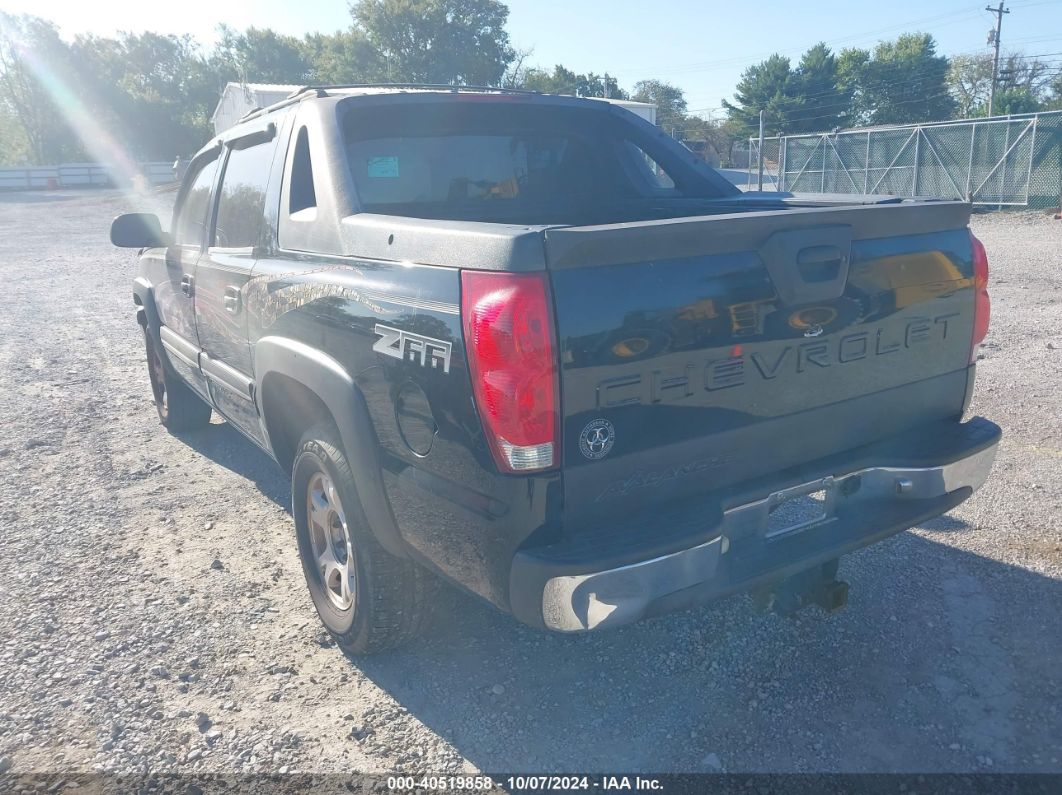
[(80, 175)]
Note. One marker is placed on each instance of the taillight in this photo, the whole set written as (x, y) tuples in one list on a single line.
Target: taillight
[(509, 337), (982, 303)]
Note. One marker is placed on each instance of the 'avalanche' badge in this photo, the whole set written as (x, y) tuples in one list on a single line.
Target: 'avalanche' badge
[(596, 439)]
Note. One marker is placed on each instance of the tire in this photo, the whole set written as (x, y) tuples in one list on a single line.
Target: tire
[(179, 408), (368, 599)]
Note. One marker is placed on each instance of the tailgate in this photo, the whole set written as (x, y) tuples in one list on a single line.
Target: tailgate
[(699, 353)]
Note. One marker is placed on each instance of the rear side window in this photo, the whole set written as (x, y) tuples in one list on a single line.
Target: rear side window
[(301, 194), (241, 201), (192, 217), (495, 160), (651, 171)]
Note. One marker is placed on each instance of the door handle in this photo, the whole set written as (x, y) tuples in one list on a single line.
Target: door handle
[(186, 284), (232, 300)]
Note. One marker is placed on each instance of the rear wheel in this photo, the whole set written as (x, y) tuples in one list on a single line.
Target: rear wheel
[(368, 599), (179, 408)]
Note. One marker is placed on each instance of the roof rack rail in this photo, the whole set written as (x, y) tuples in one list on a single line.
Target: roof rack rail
[(427, 86), (251, 112), (321, 91)]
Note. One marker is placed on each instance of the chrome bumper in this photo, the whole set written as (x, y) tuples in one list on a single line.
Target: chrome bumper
[(593, 600)]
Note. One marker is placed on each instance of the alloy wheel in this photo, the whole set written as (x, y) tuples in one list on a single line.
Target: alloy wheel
[(330, 541)]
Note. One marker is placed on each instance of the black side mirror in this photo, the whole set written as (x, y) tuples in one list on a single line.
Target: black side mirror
[(138, 230)]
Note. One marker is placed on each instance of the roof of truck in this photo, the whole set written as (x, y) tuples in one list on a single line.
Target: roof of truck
[(362, 89)]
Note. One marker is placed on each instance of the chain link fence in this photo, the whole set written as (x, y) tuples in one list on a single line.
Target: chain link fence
[(1003, 161)]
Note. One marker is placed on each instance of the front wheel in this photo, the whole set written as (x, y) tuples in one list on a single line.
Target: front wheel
[(368, 599), (178, 407)]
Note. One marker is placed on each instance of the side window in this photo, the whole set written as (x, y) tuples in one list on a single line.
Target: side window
[(241, 201), (192, 217), (301, 193), (650, 170)]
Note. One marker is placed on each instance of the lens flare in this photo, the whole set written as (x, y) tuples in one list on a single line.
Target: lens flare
[(101, 145)]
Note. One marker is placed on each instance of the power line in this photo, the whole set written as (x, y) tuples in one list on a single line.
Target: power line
[(727, 62), (905, 80), (724, 63), (915, 80), (913, 100), (911, 81)]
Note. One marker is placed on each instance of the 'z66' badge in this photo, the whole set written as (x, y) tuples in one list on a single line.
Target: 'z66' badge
[(596, 439)]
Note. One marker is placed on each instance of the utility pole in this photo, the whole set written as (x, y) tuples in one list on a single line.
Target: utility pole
[(993, 36), (606, 85), (759, 167)]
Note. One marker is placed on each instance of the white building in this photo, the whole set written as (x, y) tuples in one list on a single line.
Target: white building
[(646, 110), (239, 99)]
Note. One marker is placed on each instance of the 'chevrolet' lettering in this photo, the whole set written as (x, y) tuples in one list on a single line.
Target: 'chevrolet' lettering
[(682, 381)]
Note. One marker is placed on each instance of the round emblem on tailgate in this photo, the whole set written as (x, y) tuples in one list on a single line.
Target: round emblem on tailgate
[(596, 439)]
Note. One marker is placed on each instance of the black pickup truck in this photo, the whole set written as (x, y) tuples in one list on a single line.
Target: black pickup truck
[(535, 346)]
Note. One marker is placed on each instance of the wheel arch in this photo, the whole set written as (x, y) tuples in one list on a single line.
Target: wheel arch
[(147, 314), (298, 386)]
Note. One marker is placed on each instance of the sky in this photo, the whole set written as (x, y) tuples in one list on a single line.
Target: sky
[(702, 46)]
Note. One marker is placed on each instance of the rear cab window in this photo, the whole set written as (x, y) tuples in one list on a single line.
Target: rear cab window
[(501, 161)]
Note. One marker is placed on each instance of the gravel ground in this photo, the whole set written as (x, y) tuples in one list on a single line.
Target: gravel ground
[(155, 615)]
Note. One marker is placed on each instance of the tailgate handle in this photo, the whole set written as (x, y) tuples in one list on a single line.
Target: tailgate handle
[(819, 263), (816, 254), (808, 265)]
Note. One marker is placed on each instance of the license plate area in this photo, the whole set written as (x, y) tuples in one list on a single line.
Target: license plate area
[(798, 508)]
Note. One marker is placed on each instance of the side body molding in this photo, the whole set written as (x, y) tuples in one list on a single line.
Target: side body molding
[(327, 379)]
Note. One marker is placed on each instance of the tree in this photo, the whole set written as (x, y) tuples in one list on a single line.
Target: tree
[(770, 86), (153, 92), (515, 72), (970, 81), (565, 81), (438, 41), (903, 82), (260, 55), (149, 95), (14, 146), (669, 100), (30, 53), (823, 101), (1023, 84), (706, 139), (851, 68), (1013, 101), (809, 98), (1054, 94), (1017, 71), (343, 57)]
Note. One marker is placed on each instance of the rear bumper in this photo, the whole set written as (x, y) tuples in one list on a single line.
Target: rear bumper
[(869, 495)]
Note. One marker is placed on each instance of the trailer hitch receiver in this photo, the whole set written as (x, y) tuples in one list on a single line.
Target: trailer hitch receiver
[(818, 586)]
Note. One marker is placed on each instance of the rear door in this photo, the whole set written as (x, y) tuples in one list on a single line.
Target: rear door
[(239, 236)]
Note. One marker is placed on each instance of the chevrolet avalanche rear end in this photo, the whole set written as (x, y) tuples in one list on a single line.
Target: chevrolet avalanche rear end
[(535, 346)]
